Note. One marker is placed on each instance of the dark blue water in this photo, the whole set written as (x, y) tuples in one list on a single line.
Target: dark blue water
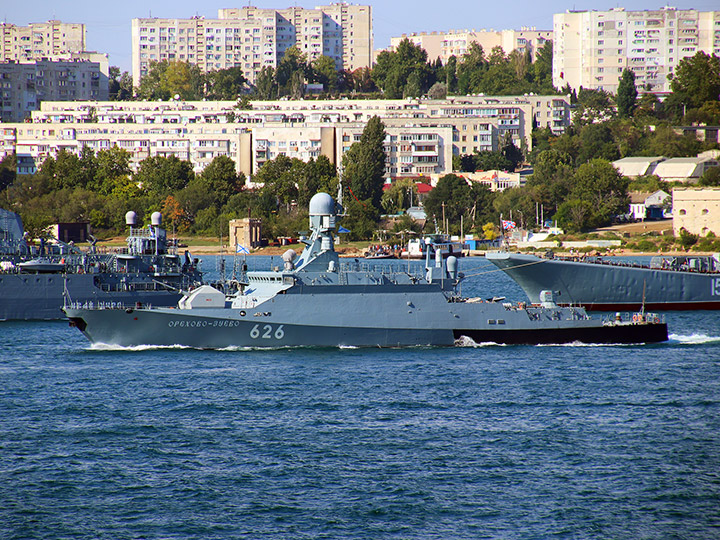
[(469, 442)]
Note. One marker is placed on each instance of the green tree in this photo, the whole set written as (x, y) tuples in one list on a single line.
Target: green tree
[(112, 171), (600, 185), (626, 98), (593, 106), (399, 195), (162, 176), (278, 177), (711, 177), (8, 168), (225, 84), (266, 83), (120, 85), (489, 161), (293, 67), (222, 179), (575, 215), (665, 142), (511, 152), (403, 72), (697, 79), (317, 175), (324, 72), (63, 171), (542, 69), (470, 69), (166, 79), (450, 199), (364, 163)]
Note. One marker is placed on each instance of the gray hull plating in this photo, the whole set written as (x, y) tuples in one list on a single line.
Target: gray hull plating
[(41, 296), (611, 287)]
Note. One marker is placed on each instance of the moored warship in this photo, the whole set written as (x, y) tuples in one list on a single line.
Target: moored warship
[(36, 281), (667, 282), (317, 300)]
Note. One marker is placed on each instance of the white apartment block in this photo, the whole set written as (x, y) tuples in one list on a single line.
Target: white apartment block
[(24, 85), (422, 135), (456, 43), (40, 40), (592, 48), (251, 38)]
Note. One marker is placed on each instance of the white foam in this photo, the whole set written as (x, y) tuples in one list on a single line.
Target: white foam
[(464, 341), (111, 347), (694, 339)]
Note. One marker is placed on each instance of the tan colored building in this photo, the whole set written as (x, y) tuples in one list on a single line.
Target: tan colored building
[(40, 40), (245, 233), (592, 48), (24, 85), (422, 135), (697, 210), (456, 43), (252, 38)]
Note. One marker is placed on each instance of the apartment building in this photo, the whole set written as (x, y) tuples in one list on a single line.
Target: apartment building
[(251, 38), (422, 135), (456, 43), (592, 48), (40, 40), (24, 85)]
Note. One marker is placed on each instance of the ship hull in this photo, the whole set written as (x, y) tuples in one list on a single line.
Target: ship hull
[(41, 296), (348, 317), (610, 287)]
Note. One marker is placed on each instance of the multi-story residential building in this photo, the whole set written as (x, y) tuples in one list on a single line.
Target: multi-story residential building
[(251, 38), (456, 43), (40, 40), (422, 135), (592, 48), (24, 85)]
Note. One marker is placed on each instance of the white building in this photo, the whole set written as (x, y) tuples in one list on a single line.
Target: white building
[(251, 38), (456, 43), (592, 48), (688, 169), (634, 167), (40, 40), (25, 85), (422, 135)]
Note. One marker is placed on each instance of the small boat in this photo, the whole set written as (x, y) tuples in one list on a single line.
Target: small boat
[(438, 242), (41, 266), (375, 255)]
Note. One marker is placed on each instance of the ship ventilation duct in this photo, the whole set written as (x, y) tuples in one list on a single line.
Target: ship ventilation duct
[(452, 266)]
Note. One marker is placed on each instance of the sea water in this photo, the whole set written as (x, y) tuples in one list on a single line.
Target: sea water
[(467, 442)]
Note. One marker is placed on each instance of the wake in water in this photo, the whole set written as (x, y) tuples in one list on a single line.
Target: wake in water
[(464, 341), (693, 339)]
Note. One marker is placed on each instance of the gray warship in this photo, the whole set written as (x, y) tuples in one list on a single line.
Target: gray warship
[(36, 281), (318, 300), (683, 282)]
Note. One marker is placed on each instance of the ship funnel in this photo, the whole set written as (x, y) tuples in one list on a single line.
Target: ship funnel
[(452, 266), (131, 218), (156, 219)]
